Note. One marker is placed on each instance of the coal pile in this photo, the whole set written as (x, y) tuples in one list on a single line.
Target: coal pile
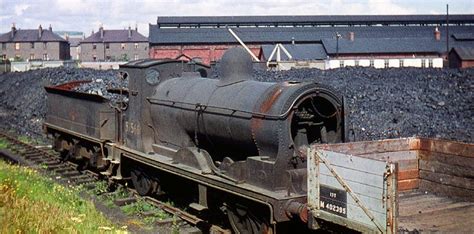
[(23, 102), (398, 102), (381, 103)]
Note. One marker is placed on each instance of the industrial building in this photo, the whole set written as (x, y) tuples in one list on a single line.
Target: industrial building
[(336, 41)]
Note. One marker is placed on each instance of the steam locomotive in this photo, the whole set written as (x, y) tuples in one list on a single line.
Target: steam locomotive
[(231, 149)]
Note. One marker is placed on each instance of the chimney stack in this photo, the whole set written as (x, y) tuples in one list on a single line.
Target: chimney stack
[(40, 31), (292, 40), (13, 30), (136, 27), (101, 30), (129, 32), (351, 36), (67, 36), (50, 28), (437, 34)]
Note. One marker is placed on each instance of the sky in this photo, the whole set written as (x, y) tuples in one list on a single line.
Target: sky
[(87, 15)]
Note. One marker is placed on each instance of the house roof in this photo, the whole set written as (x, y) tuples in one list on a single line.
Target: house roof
[(31, 35), (297, 51), (74, 42), (464, 52), (271, 35), (116, 36), (286, 20)]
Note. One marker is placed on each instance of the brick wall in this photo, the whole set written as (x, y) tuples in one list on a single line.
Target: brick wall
[(208, 53)]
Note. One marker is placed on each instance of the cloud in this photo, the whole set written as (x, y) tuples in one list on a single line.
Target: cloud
[(20, 8)]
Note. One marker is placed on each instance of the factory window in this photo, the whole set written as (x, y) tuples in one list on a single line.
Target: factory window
[(4, 46), (94, 46), (32, 45), (136, 45), (135, 57), (423, 63), (45, 45), (385, 63), (45, 57), (430, 62), (356, 63), (122, 46), (372, 63), (17, 46), (341, 63), (401, 63), (107, 45), (32, 56)]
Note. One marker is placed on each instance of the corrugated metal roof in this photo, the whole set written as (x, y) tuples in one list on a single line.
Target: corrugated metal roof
[(115, 36), (464, 52), (310, 19), (464, 36), (384, 45), (271, 35), (31, 35), (298, 52)]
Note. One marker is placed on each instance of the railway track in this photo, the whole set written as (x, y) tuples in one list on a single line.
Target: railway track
[(69, 173)]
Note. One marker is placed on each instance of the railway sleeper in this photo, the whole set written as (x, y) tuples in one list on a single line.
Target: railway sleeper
[(125, 201)]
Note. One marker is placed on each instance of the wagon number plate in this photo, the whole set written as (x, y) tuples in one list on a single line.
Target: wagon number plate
[(333, 200)]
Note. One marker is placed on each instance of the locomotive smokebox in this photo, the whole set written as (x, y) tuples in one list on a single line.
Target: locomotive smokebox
[(237, 117)]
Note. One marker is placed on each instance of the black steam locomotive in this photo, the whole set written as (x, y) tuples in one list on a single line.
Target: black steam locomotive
[(231, 149)]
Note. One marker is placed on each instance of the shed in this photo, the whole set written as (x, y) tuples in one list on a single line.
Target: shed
[(461, 57)]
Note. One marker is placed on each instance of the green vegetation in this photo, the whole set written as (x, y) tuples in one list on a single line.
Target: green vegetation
[(141, 207), (3, 143), (29, 203)]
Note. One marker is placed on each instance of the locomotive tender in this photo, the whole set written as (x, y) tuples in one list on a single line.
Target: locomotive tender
[(230, 147)]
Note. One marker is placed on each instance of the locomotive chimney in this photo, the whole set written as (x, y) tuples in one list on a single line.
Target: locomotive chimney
[(129, 32), (13, 30), (351, 36), (40, 31), (437, 34)]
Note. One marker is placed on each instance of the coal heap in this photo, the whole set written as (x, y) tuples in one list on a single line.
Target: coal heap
[(381, 103)]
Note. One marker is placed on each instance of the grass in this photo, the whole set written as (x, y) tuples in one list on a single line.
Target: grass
[(3, 143), (30, 203)]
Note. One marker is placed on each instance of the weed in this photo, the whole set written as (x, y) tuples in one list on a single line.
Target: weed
[(42, 206), (3, 143)]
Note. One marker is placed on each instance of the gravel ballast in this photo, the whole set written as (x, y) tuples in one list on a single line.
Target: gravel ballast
[(382, 103)]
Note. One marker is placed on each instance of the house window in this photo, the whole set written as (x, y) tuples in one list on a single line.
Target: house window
[(401, 63), (17, 46), (45, 45), (4, 57), (385, 63), (122, 46), (423, 63), (94, 57), (341, 63), (107, 45), (135, 57), (108, 57), (94, 46), (371, 63), (356, 63), (32, 45), (430, 62), (45, 57), (32, 56), (4, 46), (136, 45)]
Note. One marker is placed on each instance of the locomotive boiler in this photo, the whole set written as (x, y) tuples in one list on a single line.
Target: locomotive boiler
[(228, 147)]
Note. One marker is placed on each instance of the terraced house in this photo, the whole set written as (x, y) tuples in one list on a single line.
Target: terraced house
[(33, 44), (114, 45)]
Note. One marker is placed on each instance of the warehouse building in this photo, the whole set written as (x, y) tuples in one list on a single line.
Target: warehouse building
[(378, 41)]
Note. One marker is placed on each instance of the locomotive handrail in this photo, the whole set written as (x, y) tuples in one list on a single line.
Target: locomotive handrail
[(192, 106)]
